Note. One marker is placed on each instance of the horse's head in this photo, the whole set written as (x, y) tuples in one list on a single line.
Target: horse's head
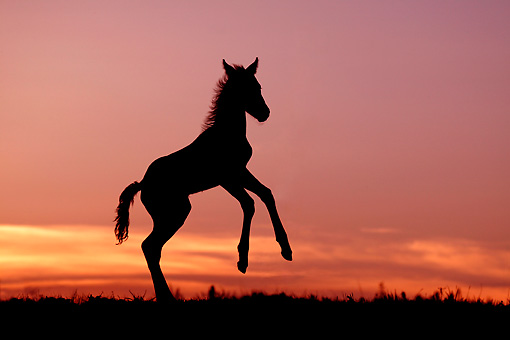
[(247, 89)]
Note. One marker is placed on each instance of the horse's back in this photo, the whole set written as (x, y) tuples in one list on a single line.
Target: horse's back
[(180, 173), (205, 163)]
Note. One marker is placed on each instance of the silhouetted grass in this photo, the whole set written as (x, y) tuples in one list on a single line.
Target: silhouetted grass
[(385, 313)]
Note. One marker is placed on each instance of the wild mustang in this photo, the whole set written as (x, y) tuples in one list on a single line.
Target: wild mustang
[(218, 156)]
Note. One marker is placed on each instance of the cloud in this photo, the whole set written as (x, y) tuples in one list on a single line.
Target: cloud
[(55, 257), (66, 258), (404, 262), (379, 230)]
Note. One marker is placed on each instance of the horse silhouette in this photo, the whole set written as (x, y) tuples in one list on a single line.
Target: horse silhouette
[(217, 157)]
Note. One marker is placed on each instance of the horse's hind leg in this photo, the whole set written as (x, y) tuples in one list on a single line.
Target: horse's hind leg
[(167, 220)]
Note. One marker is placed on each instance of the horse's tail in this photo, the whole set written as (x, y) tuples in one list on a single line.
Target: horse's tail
[(125, 200)]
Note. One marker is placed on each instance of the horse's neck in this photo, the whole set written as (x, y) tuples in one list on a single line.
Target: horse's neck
[(231, 124)]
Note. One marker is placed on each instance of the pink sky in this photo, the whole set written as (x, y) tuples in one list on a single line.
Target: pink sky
[(387, 148)]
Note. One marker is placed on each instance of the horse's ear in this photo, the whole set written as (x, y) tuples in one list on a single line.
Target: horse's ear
[(253, 67), (228, 69)]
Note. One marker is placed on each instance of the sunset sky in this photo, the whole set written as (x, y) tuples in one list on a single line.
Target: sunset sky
[(387, 148)]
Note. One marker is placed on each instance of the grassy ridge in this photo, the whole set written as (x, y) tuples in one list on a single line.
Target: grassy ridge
[(259, 313)]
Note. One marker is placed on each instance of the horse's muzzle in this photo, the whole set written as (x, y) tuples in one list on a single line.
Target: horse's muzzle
[(263, 116)]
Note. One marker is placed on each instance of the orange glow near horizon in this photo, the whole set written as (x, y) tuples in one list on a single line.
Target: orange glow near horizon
[(386, 148), (84, 260)]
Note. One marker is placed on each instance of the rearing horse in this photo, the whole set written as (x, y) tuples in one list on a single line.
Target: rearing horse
[(217, 157)]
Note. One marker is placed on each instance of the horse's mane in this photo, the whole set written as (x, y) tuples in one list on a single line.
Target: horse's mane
[(217, 99)]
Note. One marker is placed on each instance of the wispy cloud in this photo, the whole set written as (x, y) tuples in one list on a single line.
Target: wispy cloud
[(85, 258), (379, 230)]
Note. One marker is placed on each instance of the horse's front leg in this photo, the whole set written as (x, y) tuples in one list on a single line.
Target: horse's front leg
[(248, 206), (264, 193)]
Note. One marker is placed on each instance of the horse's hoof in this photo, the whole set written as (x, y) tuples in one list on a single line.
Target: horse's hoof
[(241, 266), (287, 254), (285, 247)]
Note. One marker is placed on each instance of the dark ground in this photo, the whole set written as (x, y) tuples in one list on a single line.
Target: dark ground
[(256, 315)]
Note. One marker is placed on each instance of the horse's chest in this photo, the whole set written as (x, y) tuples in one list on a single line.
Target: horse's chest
[(245, 152)]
